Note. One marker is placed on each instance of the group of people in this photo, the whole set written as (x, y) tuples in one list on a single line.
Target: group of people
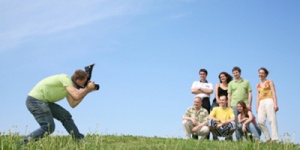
[(231, 109)]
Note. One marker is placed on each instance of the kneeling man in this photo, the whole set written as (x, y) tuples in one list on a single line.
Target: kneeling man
[(195, 120)]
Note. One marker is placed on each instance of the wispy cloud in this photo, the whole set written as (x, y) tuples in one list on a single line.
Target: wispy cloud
[(22, 20)]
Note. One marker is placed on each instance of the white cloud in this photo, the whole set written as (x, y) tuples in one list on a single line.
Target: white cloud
[(22, 20)]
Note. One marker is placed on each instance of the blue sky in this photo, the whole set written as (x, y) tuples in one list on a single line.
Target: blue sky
[(147, 55)]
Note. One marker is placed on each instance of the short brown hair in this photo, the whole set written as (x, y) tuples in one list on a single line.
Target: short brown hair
[(236, 68), (79, 75)]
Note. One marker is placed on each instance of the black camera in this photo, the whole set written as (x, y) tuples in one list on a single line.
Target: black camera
[(89, 70)]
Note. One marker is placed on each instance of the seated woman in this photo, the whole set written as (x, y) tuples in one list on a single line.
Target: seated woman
[(246, 122), (222, 120)]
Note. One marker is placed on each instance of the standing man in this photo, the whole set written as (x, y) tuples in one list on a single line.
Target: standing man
[(41, 103), (239, 89), (203, 89), (195, 120)]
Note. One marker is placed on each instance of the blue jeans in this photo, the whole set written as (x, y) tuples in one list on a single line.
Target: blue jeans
[(254, 129), (236, 113), (44, 112)]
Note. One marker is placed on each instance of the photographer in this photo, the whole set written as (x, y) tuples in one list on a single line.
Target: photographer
[(41, 102)]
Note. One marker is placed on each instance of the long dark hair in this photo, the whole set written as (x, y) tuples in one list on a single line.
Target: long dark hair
[(245, 109), (229, 77)]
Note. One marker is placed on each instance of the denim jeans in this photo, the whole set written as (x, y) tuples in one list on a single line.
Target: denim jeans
[(254, 129), (44, 112), (236, 113)]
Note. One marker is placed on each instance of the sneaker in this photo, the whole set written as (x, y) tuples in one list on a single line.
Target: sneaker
[(195, 137)]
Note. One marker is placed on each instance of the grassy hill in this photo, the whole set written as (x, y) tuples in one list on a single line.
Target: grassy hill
[(128, 142)]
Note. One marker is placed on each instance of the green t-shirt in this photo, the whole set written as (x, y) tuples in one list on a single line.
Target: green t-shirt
[(239, 91), (52, 89)]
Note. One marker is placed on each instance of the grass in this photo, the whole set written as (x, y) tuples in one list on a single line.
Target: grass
[(128, 142)]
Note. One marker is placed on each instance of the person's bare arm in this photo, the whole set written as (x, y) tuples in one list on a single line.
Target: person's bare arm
[(249, 106), (276, 108), (229, 100), (257, 100), (250, 118), (216, 93), (76, 96)]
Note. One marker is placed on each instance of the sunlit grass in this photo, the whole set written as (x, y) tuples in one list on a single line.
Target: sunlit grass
[(11, 141)]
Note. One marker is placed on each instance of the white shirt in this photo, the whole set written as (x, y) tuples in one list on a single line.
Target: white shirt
[(202, 85)]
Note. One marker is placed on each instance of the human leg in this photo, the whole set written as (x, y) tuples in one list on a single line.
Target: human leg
[(258, 130), (261, 119), (206, 103), (65, 118), (271, 115), (236, 113), (253, 130), (187, 127), (203, 131), (228, 130), (212, 127), (239, 131), (42, 114)]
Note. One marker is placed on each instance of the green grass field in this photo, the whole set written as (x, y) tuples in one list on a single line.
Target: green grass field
[(128, 142)]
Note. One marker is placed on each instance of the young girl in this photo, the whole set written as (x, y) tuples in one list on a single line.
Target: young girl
[(246, 121)]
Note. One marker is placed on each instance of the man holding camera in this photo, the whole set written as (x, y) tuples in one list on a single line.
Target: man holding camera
[(41, 102)]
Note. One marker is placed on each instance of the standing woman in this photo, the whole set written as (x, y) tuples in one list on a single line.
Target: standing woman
[(266, 105), (221, 88)]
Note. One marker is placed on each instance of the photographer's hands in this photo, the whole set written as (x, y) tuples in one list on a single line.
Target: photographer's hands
[(76, 96), (91, 86)]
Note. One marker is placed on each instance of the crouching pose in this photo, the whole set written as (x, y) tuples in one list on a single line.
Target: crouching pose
[(195, 120), (41, 102), (246, 122), (222, 120)]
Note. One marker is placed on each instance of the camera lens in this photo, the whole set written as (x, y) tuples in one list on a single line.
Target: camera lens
[(97, 86)]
